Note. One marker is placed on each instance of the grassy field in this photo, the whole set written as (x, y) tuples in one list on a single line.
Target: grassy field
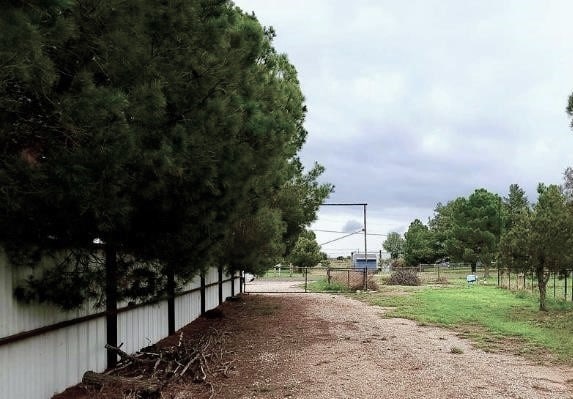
[(495, 319)]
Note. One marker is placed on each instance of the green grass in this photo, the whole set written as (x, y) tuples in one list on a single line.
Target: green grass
[(495, 319), (323, 286)]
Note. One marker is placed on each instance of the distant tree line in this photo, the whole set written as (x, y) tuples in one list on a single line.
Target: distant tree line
[(487, 229), (142, 142)]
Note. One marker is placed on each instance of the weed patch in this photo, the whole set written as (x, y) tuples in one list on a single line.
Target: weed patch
[(456, 350)]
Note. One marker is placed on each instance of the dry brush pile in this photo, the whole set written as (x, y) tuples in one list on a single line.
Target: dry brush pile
[(152, 370)]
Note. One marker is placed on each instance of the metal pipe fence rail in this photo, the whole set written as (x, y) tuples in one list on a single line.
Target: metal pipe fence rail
[(559, 285), (345, 279), (312, 279), (450, 273)]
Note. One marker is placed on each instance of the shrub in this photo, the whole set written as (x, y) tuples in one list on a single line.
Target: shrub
[(403, 277)]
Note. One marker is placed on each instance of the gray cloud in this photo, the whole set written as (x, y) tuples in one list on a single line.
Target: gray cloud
[(351, 226), (414, 103)]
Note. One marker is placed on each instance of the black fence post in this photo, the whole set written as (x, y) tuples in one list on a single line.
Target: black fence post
[(202, 294), (111, 302), (233, 283), (305, 278), (366, 279), (220, 277), (170, 301)]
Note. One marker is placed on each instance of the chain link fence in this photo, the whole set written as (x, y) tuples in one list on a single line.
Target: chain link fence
[(313, 279), (345, 279)]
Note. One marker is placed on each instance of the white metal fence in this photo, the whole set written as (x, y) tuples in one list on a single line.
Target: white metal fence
[(43, 349)]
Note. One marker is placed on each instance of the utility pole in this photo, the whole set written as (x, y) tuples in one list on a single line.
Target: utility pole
[(365, 253), (365, 241)]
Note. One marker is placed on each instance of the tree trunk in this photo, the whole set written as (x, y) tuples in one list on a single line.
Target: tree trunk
[(542, 284), (486, 269)]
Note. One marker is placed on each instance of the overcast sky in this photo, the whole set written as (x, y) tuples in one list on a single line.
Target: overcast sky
[(412, 103)]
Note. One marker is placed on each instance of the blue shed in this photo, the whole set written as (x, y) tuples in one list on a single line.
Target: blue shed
[(359, 261)]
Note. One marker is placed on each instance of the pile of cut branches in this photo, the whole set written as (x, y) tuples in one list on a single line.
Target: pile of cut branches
[(145, 373)]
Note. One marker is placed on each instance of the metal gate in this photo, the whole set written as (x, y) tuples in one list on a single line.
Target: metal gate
[(311, 279)]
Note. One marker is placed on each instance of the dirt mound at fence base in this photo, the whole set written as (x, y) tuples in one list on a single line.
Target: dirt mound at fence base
[(255, 331)]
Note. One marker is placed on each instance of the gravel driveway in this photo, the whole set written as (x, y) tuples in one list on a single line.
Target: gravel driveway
[(274, 285), (324, 346), (321, 346)]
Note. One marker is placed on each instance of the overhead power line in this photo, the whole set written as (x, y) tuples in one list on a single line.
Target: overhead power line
[(340, 238), (343, 232)]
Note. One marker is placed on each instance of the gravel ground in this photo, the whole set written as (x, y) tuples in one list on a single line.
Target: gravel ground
[(323, 346), (275, 285), (373, 356)]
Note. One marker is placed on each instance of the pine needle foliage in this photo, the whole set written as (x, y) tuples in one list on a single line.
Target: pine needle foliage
[(163, 134)]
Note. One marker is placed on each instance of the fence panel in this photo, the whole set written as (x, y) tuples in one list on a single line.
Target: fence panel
[(16, 317), (44, 350), (227, 289), (40, 366), (142, 326), (188, 304)]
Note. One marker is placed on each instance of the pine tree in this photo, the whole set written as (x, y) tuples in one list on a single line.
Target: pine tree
[(149, 134)]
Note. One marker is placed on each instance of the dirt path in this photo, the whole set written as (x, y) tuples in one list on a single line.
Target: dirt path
[(324, 346), (275, 285)]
